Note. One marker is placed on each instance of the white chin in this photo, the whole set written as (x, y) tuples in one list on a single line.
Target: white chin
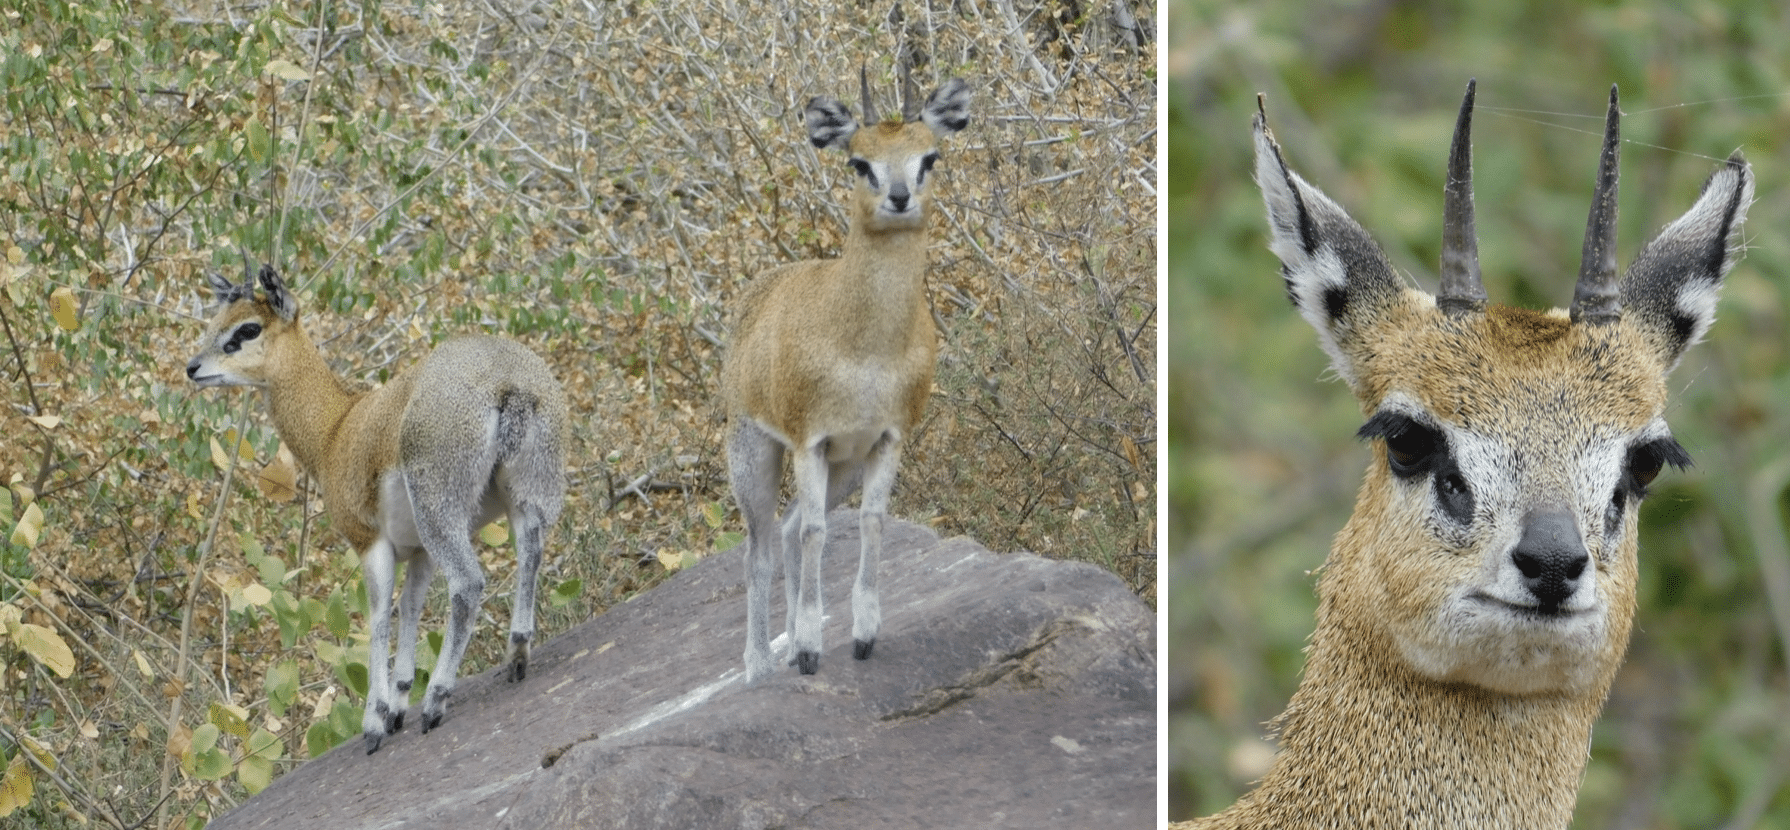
[(1508, 651)]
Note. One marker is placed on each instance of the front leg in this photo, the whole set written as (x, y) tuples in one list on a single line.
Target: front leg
[(879, 482), (810, 465), (379, 719)]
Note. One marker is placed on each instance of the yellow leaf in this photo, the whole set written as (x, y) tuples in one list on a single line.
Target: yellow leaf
[(15, 786), (143, 664), (104, 44), (257, 594), (278, 481), (494, 534), (286, 69), (47, 647), (219, 458), (62, 307), (671, 559), (45, 758), (46, 421), (88, 730), (15, 254), (30, 526)]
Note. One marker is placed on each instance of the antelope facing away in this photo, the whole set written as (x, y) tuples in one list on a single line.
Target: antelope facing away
[(832, 360), (1474, 610), (409, 472)]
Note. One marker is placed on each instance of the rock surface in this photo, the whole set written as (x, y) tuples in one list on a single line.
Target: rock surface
[(1006, 690)]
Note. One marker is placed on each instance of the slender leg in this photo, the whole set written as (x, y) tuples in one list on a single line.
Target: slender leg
[(417, 574), (879, 482), (528, 531), (378, 566), (466, 589), (754, 463), (811, 503)]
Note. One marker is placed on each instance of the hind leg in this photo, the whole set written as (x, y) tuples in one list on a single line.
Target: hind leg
[(417, 574), (529, 527), (754, 463)]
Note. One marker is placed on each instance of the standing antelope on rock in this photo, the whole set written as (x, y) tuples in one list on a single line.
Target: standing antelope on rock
[(832, 360), (1474, 611), (409, 472)]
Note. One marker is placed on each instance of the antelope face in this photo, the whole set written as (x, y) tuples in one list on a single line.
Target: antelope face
[(1493, 542), (893, 159), (235, 350), (1511, 451)]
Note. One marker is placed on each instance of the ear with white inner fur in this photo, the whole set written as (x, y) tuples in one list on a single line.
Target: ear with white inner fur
[(829, 123), (1336, 275), (947, 108), (278, 298), (1670, 290)]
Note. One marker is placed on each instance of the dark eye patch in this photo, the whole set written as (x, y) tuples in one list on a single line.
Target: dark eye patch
[(242, 334), (863, 168), (1414, 449)]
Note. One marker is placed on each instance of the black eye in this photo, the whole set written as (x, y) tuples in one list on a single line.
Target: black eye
[(1410, 446), (1646, 460), (860, 165)]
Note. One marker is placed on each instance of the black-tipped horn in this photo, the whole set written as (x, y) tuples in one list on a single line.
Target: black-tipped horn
[(864, 87), (910, 97), (1462, 289), (1596, 298)]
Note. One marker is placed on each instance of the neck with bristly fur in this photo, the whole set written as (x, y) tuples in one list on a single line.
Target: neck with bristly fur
[(306, 400), (1367, 742), (886, 273)]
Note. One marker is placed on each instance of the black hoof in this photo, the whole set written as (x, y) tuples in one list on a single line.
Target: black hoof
[(861, 648), (373, 739), (808, 661), (518, 670), (430, 722), (394, 723)]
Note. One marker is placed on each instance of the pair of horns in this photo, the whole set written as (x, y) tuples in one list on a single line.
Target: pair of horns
[(1595, 297), (910, 100)]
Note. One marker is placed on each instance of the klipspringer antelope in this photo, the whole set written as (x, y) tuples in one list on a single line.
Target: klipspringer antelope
[(1475, 608), (832, 360), (409, 471)]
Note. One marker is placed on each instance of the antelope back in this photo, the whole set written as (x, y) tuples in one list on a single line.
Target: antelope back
[(1493, 541), (893, 158)]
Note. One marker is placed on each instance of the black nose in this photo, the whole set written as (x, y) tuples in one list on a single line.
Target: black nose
[(192, 368), (1551, 558)]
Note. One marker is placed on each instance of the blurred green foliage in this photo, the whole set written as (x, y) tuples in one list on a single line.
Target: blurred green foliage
[(1262, 462)]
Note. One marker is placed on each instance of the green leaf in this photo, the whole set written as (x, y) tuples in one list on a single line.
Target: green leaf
[(265, 745), (281, 687), (255, 774), (205, 738), (211, 765), (260, 145), (354, 676), (565, 592), (714, 513), (336, 615)]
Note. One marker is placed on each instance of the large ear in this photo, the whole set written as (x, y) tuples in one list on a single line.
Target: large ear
[(947, 109), (1670, 290), (1336, 275), (829, 123), (278, 298)]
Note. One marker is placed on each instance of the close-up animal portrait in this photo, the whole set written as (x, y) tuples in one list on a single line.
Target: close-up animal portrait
[(1476, 465)]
